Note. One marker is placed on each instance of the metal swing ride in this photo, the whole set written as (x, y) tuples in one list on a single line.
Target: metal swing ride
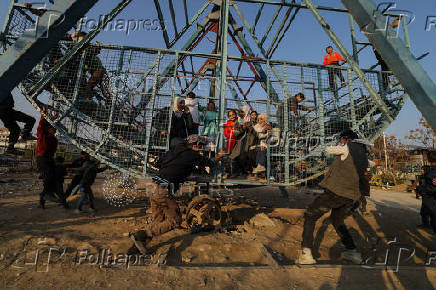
[(120, 118)]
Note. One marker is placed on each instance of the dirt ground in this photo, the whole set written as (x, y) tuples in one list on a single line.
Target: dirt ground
[(256, 248)]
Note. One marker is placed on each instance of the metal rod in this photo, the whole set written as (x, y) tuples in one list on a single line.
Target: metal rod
[(353, 39), (225, 14), (405, 31), (173, 15), (351, 94), (282, 25), (270, 25), (149, 118), (287, 4), (284, 33), (185, 7), (162, 23), (194, 18), (259, 12)]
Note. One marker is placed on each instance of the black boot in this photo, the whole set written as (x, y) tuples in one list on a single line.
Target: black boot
[(41, 204)]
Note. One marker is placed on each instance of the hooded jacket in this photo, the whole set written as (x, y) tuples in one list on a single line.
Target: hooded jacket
[(178, 164)]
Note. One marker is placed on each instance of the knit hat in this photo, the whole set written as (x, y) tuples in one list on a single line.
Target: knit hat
[(195, 139)]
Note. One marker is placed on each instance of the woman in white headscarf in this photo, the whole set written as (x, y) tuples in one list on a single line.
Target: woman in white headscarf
[(181, 122)]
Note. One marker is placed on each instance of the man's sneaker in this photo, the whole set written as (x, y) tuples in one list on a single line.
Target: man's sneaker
[(91, 210), (259, 169), (305, 257), (352, 256), (77, 211)]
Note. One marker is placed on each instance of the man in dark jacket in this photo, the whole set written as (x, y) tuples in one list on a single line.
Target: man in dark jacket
[(175, 167), (342, 184), (10, 117), (294, 108), (427, 189), (90, 170)]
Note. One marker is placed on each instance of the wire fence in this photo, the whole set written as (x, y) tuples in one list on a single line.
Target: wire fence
[(118, 103)]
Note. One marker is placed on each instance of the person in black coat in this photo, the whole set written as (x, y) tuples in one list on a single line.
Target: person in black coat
[(75, 181), (174, 168), (10, 117), (182, 124), (427, 189)]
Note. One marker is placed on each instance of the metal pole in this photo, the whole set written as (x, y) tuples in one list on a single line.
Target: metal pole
[(222, 98), (353, 39), (386, 151), (405, 31)]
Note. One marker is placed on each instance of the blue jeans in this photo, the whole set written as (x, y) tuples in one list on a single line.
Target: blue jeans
[(85, 192)]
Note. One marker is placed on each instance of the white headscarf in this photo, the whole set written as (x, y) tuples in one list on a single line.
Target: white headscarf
[(177, 101), (192, 104)]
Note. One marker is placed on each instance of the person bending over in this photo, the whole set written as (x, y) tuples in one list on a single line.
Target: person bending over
[(174, 168)]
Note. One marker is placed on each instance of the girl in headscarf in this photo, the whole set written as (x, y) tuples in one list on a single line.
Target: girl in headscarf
[(210, 118)]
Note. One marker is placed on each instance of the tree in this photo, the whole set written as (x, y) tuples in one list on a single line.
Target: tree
[(395, 149), (424, 136)]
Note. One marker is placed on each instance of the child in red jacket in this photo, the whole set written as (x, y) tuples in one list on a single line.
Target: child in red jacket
[(231, 130), (46, 148)]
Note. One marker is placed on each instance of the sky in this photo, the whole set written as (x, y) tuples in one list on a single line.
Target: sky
[(304, 42)]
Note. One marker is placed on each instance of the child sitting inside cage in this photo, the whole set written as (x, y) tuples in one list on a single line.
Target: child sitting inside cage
[(90, 170), (210, 122), (234, 131)]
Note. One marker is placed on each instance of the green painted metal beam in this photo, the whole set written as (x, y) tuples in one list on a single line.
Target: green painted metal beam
[(419, 86), (33, 45)]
